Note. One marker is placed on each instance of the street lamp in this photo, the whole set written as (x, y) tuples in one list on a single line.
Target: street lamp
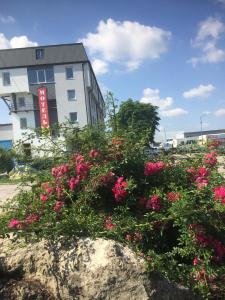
[(206, 113)]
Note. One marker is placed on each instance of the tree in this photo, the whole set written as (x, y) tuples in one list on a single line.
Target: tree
[(111, 105), (140, 118)]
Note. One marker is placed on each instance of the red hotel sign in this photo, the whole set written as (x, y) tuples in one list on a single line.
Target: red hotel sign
[(43, 104)]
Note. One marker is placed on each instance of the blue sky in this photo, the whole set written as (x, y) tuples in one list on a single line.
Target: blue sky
[(169, 53)]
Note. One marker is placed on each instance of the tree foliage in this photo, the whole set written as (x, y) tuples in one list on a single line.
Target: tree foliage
[(140, 118)]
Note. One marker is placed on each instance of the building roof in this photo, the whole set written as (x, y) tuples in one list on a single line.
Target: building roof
[(204, 132), (53, 54)]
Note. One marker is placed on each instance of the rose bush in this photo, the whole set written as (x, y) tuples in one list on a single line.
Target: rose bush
[(170, 210)]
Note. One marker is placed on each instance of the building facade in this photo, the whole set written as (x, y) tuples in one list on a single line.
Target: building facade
[(47, 85), (6, 136)]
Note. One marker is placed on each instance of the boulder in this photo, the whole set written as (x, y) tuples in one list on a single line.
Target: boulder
[(79, 269)]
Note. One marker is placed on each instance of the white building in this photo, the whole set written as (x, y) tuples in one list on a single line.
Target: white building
[(47, 85), (199, 137)]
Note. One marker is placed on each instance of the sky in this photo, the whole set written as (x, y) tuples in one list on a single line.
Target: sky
[(168, 53)]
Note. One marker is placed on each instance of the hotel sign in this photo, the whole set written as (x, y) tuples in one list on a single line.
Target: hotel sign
[(43, 105)]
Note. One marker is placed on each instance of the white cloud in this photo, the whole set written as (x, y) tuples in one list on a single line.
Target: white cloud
[(209, 32), (15, 42), (152, 96), (126, 43), (99, 66), (175, 112), (7, 19), (199, 92), (220, 112)]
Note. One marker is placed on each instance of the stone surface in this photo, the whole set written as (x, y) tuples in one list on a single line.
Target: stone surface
[(79, 269)]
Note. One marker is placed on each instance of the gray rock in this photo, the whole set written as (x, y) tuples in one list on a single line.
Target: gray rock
[(80, 269)]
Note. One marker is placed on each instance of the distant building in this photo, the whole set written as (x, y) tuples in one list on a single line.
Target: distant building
[(6, 136), (45, 85), (199, 137)]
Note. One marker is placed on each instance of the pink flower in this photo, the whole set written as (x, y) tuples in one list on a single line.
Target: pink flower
[(105, 179), (43, 197), (154, 203), (79, 159), (202, 172), (219, 194), (173, 197), (94, 153), (58, 205), (119, 189), (83, 170), (153, 168), (46, 187), (14, 223), (60, 171), (73, 183), (191, 170), (109, 225), (31, 219), (196, 261), (210, 158), (202, 183)]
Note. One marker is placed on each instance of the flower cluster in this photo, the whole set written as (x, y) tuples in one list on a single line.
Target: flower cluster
[(153, 168), (154, 203), (199, 176), (173, 197), (134, 237), (60, 171), (109, 225), (210, 158), (119, 190), (219, 194), (14, 223), (208, 241)]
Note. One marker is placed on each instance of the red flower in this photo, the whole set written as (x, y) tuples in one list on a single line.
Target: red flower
[(73, 183), (210, 158), (119, 189), (219, 194), (153, 168), (60, 171), (94, 153), (43, 197), (83, 170), (108, 223), (31, 219), (196, 261), (78, 159), (173, 197), (14, 223), (58, 205), (154, 203), (105, 179)]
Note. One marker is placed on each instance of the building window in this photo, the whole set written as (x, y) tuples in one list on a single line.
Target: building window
[(73, 117), (6, 78), (21, 102), (69, 73), (41, 75), (71, 95), (39, 53), (23, 123)]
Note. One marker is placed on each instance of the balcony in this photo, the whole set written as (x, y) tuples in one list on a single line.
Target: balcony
[(28, 107)]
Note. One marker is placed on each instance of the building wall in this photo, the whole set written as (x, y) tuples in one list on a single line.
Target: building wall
[(28, 114), (64, 107), (18, 79)]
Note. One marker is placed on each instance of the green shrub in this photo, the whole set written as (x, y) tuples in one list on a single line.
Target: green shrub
[(171, 211), (6, 160)]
